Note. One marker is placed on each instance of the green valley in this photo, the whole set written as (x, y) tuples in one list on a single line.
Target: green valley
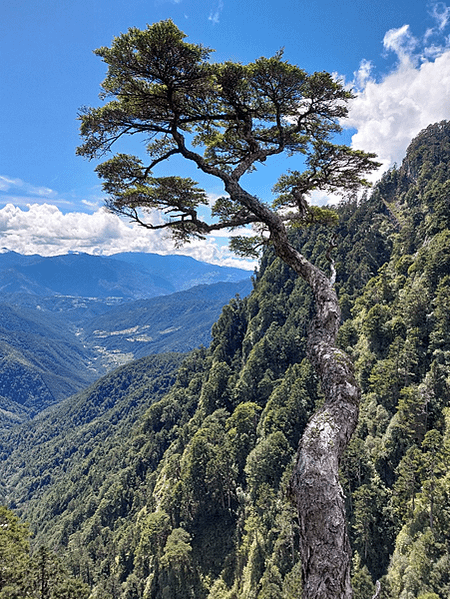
[(169, 477), (55, 344)]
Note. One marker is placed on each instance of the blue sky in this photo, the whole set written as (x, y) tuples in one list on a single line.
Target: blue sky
[(396, 55)]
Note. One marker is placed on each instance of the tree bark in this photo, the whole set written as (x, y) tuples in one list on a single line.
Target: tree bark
[(324, 545)]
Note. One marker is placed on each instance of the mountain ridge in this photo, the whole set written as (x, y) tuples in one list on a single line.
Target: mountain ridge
[(45, 354), (193, 499), (127, 275)]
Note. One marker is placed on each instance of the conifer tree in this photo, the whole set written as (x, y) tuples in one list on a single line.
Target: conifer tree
[(228, 119), (38, 576), (14, 556)]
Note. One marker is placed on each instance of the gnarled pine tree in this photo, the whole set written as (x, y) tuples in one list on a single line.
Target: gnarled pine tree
[(227, 119)]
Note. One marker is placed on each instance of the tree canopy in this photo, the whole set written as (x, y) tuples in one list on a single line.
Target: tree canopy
[(227, 119), (37, 576)]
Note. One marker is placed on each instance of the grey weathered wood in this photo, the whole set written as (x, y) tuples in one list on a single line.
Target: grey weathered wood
[(324, 546)]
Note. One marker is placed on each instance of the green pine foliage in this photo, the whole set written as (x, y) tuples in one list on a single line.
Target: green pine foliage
[(40, 575), (397, 335), (177, 485)]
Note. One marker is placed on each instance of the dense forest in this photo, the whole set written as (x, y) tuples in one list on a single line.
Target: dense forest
[(170, 477), (60, 332)]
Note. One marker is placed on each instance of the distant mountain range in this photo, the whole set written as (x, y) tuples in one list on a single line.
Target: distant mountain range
[(127, 275), (162, 480), (177, 322), (67, 320)]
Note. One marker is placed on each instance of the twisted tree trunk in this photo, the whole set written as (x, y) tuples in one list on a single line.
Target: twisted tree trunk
[(325, 550), (324, 545)]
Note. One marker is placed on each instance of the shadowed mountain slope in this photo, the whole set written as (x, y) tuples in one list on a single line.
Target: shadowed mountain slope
[(194, 503)]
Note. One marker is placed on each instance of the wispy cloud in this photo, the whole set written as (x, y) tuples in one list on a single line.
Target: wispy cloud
[(441, 14), (216, 12), (402, 42), (363, 75), (9, 183), (22, 193)]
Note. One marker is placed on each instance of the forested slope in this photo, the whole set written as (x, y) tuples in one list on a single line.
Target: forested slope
[(196, 502), (45, 452), (41, 362), (399, 337), (52, 347)]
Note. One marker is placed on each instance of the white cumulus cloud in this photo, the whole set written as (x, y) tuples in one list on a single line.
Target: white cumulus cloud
[(43, 229), (388, 113)]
